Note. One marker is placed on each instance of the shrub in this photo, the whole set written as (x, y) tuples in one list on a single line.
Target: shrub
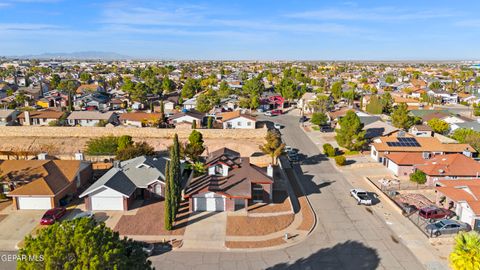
[(418, 177), (135, 150), (329, 150), (106, 145), (340, 160)]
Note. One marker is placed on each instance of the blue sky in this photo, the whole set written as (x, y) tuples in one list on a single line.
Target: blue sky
[(263, 30)]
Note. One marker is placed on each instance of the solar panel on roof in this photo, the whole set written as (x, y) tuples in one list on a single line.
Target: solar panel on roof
[(404, 142)]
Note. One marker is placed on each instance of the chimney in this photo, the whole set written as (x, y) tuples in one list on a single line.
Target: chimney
[(42, 156), (116, 164), (26, 122), (79, 156), (270, 170)]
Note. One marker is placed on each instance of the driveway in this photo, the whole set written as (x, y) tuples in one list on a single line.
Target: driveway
[(205, 230), (16, 225)]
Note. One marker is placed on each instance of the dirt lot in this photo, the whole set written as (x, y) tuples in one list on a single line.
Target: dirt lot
[(255, 226), (149, 220), (281, 203), (255, 244)]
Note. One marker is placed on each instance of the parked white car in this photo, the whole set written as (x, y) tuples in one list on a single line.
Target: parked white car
[(361, 196), (268, 113), (277, 126)]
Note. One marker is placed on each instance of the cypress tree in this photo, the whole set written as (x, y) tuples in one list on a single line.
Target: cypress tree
[(194, 124), (168, 199), (175, 176)]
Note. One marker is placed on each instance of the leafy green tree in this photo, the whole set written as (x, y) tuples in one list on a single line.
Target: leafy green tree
[(418, 177), (387, 103), (135, 150), (466, 252), (194, 147), (85, 77), (124, 141), (54, 81), (390, 79), (224, 90), (319, 118), (273, 145), (287, 88), (167, 85), (337, 89), (375, 105), (401, 117), (81, 244), (210, 122), (106, 145), (350, 134), (190, 88), (435, 85), (253, 87), (207, 101), (198, 168), (469, 136), (320, 104), (438, 125)]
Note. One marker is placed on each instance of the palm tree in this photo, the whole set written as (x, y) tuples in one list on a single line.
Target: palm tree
[(466, 253)]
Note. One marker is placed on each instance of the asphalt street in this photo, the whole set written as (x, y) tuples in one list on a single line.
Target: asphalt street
[(347, 235)]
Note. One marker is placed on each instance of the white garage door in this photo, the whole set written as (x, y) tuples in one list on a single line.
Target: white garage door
[(107, 203), (209, 204), (34, 203)]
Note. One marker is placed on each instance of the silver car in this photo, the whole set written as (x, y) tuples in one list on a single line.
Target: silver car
[(446, 226)]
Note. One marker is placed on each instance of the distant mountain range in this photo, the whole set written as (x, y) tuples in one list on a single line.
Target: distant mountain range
[(87, 55)]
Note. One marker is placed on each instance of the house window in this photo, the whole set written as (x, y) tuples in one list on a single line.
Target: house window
[(239, 123), (218, 169), (249, 123), (257, 193)]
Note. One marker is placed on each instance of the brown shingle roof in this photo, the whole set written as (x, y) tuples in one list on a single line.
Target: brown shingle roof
[(235, 114), (238, 183), (43, 177), (46, 114)]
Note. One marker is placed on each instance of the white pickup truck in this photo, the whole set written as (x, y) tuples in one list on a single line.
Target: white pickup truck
[(361, 196)]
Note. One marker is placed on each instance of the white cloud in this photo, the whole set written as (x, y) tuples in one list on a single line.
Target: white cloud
[(372, 14)]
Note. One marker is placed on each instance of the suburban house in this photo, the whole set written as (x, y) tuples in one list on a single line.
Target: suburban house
[(190, 104), (134, 179), (7, 117), (463, 197), (42, 184), (139, 119), (378, 128), (39, 118), (450, 166), (238, 120), (402, 164), (402, 144), (230, 184), (421, 131), (91, 118), (187, 117)]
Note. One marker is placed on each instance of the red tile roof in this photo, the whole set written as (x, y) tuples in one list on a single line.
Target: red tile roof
[(451, 165)]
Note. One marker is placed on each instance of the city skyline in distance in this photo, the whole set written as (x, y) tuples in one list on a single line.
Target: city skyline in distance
[(184, 30)]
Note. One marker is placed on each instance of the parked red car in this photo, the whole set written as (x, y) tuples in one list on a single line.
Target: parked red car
[(432, 213), (53, 215), (276, 112)]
